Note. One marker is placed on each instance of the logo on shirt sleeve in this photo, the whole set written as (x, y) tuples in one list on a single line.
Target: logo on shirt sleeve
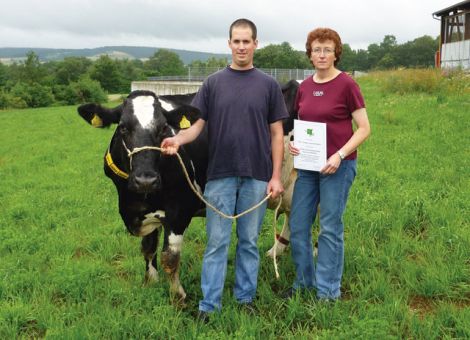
[(317, 93)]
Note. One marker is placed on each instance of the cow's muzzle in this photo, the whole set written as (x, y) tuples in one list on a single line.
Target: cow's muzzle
[(145, 183)]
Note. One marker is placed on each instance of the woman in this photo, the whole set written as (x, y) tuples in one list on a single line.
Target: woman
[(334, 98)]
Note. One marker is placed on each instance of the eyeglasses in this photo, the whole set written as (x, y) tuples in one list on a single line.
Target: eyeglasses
[(325, 51)]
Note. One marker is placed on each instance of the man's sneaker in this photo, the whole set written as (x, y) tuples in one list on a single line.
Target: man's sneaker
[(249, 308), (288, 293), (202, 317), (327, 301)]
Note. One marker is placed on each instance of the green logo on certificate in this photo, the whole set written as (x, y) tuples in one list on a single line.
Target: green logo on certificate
[(310, 132)]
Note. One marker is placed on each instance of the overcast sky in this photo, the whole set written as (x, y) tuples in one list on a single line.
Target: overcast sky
[(202, 25)]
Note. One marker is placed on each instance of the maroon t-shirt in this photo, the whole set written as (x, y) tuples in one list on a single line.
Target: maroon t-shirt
[(331, 103)]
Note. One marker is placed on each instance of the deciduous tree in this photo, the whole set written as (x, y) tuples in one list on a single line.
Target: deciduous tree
[(106, 71), (280, 56), (71, 69), (164, 63)]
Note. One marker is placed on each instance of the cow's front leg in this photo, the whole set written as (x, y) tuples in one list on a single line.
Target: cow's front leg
[(171, 262), (149, 250), (282, 240)]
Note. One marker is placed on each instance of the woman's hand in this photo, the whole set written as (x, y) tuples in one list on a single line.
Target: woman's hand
[(332, 164), (293, 150)]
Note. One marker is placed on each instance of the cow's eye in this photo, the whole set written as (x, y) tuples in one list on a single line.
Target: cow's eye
[(123, 129)]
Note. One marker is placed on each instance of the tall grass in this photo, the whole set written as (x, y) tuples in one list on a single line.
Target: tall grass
[(437, 82), (68, 268)]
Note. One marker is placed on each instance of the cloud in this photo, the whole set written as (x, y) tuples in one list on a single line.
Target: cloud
[(203, 25)]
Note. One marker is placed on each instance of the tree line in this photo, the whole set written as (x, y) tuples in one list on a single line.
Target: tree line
[(76, 80), (388, 54)]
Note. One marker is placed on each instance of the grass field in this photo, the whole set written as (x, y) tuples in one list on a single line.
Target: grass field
[(69, 269)]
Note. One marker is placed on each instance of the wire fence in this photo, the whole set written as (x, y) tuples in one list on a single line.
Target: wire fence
[(199, 74)]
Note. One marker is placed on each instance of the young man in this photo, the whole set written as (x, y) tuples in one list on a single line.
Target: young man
[(243, 108)]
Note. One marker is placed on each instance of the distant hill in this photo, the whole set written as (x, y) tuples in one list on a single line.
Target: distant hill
[(10, 54)]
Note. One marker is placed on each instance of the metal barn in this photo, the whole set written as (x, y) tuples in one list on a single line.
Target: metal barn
[(454, 46)]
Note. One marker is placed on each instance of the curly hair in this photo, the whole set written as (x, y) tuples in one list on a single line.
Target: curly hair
[(322, 34)]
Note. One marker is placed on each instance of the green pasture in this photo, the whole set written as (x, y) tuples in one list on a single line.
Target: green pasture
[(70, 270)]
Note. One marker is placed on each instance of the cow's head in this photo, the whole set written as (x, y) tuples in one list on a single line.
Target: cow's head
[(289, 91), (142, 121)]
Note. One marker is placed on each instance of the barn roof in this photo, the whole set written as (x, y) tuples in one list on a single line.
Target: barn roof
[(459, 6)]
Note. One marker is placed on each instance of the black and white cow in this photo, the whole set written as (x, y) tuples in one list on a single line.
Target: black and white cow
[(151, 187)]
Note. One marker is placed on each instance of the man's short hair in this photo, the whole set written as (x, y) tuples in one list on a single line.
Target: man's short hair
[(244, 22)]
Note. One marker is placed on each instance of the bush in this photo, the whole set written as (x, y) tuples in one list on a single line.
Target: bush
[(88, 90), (82, 91), (9, 101), (41, 96), (4, 99), (34, 95), (63, 95), (17, 103), (22, 95)]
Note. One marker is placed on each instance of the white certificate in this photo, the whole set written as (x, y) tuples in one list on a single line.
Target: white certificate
[(310, 139)]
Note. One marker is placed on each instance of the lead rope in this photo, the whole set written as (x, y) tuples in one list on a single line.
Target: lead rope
[(275, 239), (193, 188)]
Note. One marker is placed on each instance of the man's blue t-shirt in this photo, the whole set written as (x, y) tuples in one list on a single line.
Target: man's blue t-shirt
[(238, 107)]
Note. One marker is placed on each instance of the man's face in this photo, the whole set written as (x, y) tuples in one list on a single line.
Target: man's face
[(243, 47)]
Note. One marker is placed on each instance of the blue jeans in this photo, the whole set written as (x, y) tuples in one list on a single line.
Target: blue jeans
[(331, 193), (231, 195)]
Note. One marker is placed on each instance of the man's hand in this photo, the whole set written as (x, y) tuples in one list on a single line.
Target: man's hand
[(275, 187), (170, 146)]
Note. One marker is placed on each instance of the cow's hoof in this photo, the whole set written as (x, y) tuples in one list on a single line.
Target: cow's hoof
[(179, 303), (150, 279), (280, 250), (181, 293), (178, 300)]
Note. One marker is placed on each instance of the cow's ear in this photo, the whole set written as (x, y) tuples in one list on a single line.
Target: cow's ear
[(99, 116), (183, 116)]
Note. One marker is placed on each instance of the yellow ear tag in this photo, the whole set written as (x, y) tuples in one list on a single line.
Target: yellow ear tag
[(184, 123), (96, 121)]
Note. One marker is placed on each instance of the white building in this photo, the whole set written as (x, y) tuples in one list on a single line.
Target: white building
[(454, 47)]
